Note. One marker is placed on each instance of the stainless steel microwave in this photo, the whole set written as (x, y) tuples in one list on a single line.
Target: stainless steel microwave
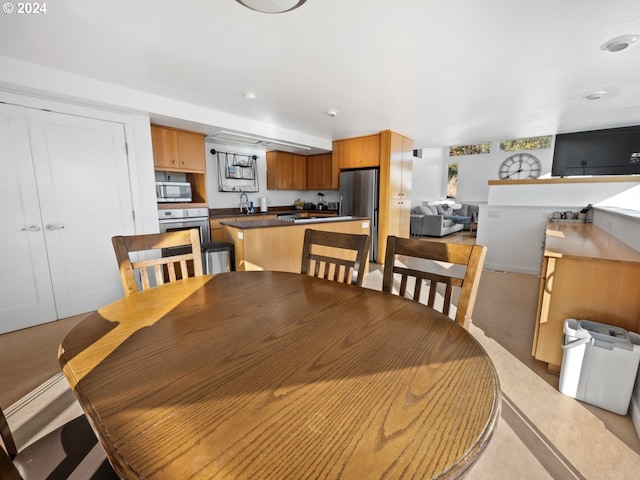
[(173, 192)]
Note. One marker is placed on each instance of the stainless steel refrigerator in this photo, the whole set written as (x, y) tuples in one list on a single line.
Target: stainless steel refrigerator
[(359, 197)]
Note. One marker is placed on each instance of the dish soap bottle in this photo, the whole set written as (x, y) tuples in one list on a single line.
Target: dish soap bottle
[(251, 209)]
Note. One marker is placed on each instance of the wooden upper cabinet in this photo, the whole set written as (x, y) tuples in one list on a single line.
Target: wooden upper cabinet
[(400, 165), (286, 171), (177, 150), (320, 172), (358, 152), (299, 172)]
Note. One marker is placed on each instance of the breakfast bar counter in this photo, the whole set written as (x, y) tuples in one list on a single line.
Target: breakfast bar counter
[(277, 244)]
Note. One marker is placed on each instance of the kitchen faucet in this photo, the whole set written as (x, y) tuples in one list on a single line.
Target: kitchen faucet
[(244, 205)]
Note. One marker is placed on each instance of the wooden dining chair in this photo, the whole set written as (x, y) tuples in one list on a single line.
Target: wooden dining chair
[(433, 263), (164, 269), (70, 451), (341, 257)]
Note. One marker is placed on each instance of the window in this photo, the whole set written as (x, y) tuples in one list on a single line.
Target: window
[(470, 149), (530, 143), (452, 180)]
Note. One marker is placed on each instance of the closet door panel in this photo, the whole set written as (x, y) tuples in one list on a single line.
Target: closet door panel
[(26, 296), (83, 184)]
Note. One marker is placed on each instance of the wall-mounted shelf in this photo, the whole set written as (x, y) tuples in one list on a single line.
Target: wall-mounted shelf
[(237, 172)]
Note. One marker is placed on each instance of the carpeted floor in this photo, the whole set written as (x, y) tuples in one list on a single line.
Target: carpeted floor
[(541, 434)]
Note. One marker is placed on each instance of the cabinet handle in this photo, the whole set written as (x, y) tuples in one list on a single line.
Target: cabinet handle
[(30, 228), (51, 227)]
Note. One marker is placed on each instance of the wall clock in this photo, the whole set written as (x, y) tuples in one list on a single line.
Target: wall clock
[(520, 166)]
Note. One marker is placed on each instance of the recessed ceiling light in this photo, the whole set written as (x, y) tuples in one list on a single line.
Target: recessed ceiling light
[(619, 43), (332, 113), (249, 95), (271, 6), (596, 95)]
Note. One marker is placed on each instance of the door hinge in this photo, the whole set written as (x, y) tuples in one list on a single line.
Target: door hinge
[(126, 148), (133, 215)]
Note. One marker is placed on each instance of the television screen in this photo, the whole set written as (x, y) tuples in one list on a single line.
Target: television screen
[(614, 151)]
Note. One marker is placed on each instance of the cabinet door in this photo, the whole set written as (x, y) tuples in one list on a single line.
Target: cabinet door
[(299, 172), (407, 167), (284, 175), (82, 177), (26, 294), (327, 172), (165, 148), (175, 150), (314, 172), (191, 156), (359, 152)]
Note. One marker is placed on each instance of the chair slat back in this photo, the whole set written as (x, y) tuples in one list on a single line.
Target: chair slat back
[(452, 266), (160, 270), (347, 266)]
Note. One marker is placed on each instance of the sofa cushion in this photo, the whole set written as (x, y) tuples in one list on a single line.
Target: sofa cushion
[(462, 211), (425, 210), (447, 223)]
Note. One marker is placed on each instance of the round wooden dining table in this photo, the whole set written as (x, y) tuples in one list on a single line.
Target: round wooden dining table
[(273, 375)]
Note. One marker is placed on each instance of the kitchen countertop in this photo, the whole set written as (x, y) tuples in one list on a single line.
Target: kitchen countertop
[(253, 224), (233, 212), (578, 240)]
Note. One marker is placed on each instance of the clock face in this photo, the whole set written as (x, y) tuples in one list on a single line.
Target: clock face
[(519, 167)]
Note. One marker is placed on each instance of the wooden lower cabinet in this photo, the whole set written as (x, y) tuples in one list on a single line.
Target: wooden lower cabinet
[(588, 275)]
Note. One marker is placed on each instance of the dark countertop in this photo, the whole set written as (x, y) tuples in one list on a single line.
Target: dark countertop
[(234, 212), (252, 224)]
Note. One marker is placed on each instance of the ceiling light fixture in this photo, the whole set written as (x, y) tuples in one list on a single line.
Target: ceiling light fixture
[(619, 43), (332, 113), (596, 95), (249, 95), (271, 6)]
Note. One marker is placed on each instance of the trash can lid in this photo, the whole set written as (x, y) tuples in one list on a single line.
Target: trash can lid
[(215, 246), (607, 336)]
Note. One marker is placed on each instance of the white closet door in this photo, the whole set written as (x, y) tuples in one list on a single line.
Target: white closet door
[(83, 185), (26, 296)]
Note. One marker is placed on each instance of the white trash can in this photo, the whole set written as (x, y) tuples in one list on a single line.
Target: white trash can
[(599, 364), (634, 407)]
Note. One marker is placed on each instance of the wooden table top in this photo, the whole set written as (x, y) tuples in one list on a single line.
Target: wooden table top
[(278, 375)]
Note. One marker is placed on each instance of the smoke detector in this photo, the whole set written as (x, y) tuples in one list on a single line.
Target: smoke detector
[(596, 95), (332, 113), (619, 43)]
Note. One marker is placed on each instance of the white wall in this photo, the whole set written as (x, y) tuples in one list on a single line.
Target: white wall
[(278, 198), (622, 223), (475, 171), (23, 77), (429, 176)]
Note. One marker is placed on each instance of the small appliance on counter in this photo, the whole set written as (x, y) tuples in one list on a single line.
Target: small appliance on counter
[(173, 192)]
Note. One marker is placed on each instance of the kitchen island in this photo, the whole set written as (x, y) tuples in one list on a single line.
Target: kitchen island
[(277, 244)]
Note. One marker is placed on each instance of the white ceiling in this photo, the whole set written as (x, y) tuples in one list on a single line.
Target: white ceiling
[(441, 72)]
